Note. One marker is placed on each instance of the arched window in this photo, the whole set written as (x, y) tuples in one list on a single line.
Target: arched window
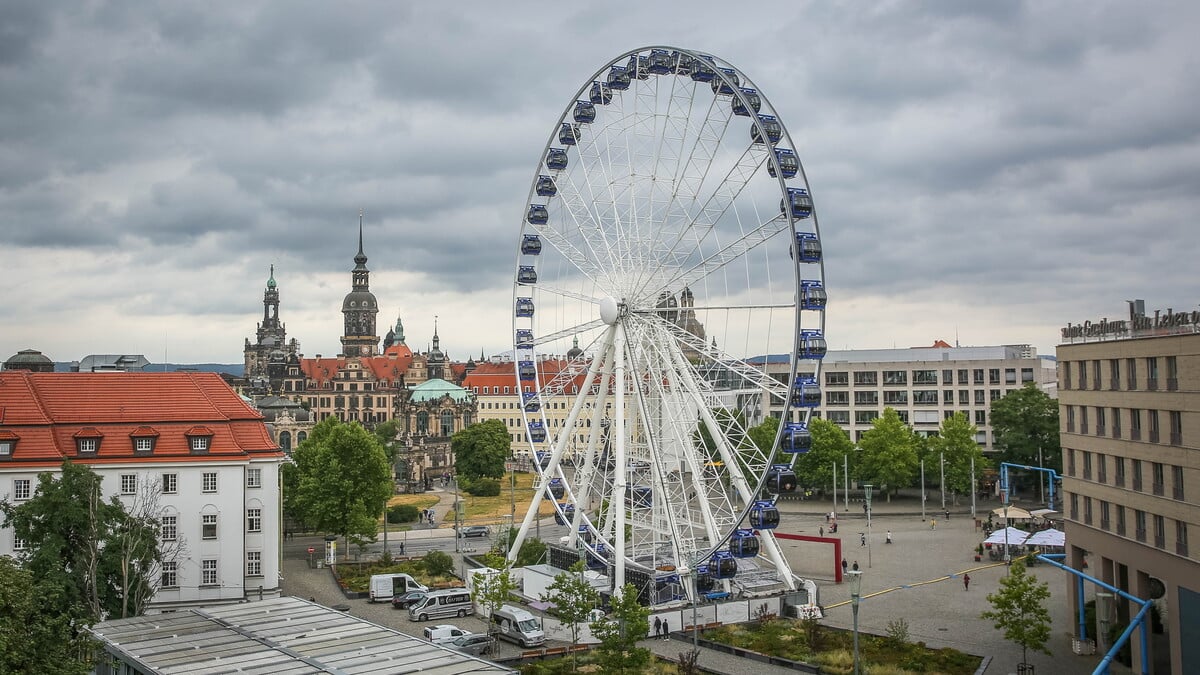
[(447, 422), (285, 441), (422, 422), (301, 436)]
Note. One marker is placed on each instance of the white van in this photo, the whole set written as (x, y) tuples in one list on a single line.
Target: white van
[(444, 633), (385, 586), (517, 625), (451, 602)]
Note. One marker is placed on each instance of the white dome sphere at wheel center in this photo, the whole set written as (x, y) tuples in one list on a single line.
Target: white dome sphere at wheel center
[(610, 311)]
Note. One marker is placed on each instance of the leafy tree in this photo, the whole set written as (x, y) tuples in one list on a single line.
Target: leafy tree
[(402, 513), (484, 487), (763, 435), (1019, 609), (34, 637), (385, 433), (492, 591), (438, 564), (480, 449), (342, 479), (956, 444), (888, 454), (574, 598), (1024, 422), (620, 631), (829, 444)]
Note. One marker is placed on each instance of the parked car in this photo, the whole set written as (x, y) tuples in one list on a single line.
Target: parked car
[(476, 645), (444, 633), (406, 600), (474, 531)]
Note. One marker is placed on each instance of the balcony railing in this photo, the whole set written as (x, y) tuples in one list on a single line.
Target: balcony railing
[(1140, 535), (1160, 541), (1172, 384), (1158, 489), (1104, 524), (1176, 438), (1181, 548)]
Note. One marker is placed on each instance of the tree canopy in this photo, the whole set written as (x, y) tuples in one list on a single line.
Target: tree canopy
[(620, 632), (481, 449), (829, 444), (957, 446), (1025, 421), (340, 480), (385, 433), (1019, 609), (574, 598), (888, 455), (34, 637)]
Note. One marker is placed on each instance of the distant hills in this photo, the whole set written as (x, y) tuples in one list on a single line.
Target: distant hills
[(235, 369)]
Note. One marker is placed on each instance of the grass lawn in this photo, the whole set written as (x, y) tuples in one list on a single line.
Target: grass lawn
[(489, 510)]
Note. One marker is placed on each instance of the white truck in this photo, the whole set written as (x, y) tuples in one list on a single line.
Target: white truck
[(385, 586)]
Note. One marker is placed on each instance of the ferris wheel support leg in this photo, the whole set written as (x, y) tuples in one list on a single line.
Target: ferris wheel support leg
[(584, 480), (617, 501)]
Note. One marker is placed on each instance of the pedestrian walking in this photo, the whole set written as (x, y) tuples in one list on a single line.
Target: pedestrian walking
[(864, 508), (826, 518), (947, 514), (657, 627), (845, 565), (821, 531), (933, 523), (666, 629), (889, 537), (862, 539), (966, 582), (855, 566)]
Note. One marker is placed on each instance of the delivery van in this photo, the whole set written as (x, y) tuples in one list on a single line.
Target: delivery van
[(451, 602), (444, 633), (518, 625), (385, 586)]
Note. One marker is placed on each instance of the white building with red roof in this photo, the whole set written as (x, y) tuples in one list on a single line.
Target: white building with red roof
[(183, 442)]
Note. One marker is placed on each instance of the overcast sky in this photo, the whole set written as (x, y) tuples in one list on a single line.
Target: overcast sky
[(983, 171)]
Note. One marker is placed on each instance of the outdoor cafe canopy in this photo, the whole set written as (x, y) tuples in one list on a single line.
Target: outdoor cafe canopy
[(1050, 537), (1014, 536), (1011, 513)]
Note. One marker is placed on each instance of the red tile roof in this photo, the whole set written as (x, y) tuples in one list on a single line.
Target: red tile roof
[(46, 412)]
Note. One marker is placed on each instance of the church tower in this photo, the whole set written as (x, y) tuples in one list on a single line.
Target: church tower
[(437, 359), (270, 344), (359, 308)]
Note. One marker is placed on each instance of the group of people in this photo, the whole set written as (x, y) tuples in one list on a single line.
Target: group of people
[(662, 628)]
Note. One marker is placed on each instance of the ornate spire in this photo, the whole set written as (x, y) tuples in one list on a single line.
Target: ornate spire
[(271, 280), (436, 340), (360, 260)]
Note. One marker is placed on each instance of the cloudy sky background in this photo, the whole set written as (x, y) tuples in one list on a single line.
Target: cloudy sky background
[(986, 171)]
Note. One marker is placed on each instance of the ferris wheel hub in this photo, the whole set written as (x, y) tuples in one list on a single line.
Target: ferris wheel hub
[(610, 310)]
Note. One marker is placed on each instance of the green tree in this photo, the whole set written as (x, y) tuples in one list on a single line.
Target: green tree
[(620, 631), (34, 636), (574, 598), (763, 435), (438, 564), (956, 444), (829, 444), (480, 450), (492, 591), (385, 433), (1025, 421), (1019, 609), (888, 455), (342, 479)]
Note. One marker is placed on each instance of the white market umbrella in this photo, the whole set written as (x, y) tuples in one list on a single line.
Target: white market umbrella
[(1045, 513), (1009, 535), (1013, 513), (1050, 537)]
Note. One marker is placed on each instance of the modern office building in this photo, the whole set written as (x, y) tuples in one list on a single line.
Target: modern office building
[(1129, 396), (923, 384)]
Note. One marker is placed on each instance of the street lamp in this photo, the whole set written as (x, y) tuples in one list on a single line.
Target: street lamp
[(855, 592), (507, 532), (867, 494)]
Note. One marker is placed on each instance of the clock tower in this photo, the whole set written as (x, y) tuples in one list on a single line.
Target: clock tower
[(360, 308)]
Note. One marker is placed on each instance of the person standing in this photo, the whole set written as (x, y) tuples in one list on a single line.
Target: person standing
[(821, 531), (657, 627), (862, 538), (889, 537), (855, 567), (845, 565), (966, 582), (933, 523), (666, 628)]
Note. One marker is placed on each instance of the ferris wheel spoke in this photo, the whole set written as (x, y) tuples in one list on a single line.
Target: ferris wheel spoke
[(732, 251), (750, 375)]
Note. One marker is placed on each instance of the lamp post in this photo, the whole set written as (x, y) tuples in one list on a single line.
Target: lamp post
[(922, 491), (867, 494), (855, 591), (507, 533), (694, 563), (942, 461)]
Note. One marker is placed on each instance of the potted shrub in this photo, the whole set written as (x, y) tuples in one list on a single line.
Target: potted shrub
[(978, 552)]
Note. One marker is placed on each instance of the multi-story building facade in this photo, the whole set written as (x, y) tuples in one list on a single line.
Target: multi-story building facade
[(182, 447), (923, 384), (1130, 430)]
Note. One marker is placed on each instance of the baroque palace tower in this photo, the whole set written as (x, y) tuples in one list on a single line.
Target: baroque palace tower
[(360, 308)]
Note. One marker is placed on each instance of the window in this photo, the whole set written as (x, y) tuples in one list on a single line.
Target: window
[(1160, 532), (1026, 375), (1177, 479), (200, 443), (980, 417), (1152, 373), (1083, 375), (1087, 510), (962, 376), (866, 377), (1120, 520), (170, 528), (895, 377), (948, 397), (1087, 465), (993, 376), (1101, 468), (838, 416), (1137, 474), (925, 377), (1181, 547), (170, 574), (19, 544), (837, 379), (977, 375), (253, 478), (903, 415), (980, 397), (1116, 422), (1176, 422), (1135, 424), (208, 572), (1083, 419), (1105, 510), (1010, 376), (209, 482), (1158, 481), (1153, 414), (964, 397), (995, 394), (925, 397), (865, 416), (1119, 471), (1066, 383), (1101, 422), (170, 483), (1131, 372), (208, 526), (1095, 374), (866, 398), (947, 377), (1139, 525), (254, 563), (895, 398), (21, 487), (1071, 419), (1114, 374), (143, 444), (1172, 374), (88, 444), (1070, 462), (254, 520), (1074, 507)]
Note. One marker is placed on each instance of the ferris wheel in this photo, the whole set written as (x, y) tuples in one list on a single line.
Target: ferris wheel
[(668, 296)]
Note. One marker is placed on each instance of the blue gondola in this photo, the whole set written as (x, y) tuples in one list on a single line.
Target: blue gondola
[(531, 244), (525, 307), (597, 559), (568, 134), (659, 61), (538, 215), (722, 565), (545, 187), (801, 201), (585, 534), (600, 94), (764, 516), (770, 125), (556, 490), (810, 247), (530, 401), (526, 275), (682, 64), (638, 496), (812, 344), (556, 159), (638, 66), (618, 78), (585, 112), (543, 458), (704, 579), (788, 162), (806, 393), (524, 338), (752, 97), (721, 87), (796, 438), (703, 69), (567, 515), (743, 544), (537, 433), (813, 295), (527, 371), (781, 479)]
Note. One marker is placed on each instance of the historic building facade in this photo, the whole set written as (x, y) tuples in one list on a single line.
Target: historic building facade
[(267, 360)]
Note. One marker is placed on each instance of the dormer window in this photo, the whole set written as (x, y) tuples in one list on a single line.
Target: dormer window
[(87, 441), (199, 440), (200, 444), (144, 439), (8, 444)]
